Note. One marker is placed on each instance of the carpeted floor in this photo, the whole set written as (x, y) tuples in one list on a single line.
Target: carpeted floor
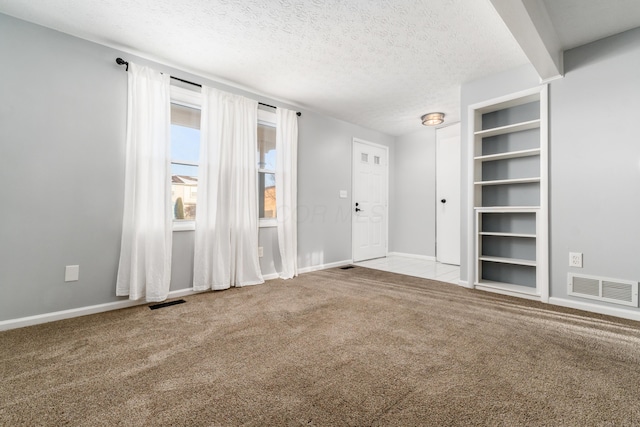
[(354, 347)]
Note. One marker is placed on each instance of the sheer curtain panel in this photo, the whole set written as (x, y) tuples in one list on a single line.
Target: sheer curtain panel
[(226, 236), (145, 250), (287, 190)]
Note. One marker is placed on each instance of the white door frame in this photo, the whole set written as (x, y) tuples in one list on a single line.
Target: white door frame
[(386, 183)]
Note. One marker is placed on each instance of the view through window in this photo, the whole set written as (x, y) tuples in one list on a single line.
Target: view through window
[(266, 170), (185, 152)]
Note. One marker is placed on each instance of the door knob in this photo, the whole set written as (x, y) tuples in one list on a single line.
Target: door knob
[(358, 209), (443, 201)]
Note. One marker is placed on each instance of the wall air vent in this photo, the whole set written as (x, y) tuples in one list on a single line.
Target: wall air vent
[(615, 291)]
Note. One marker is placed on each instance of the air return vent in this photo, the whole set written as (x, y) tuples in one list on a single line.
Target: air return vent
[(616, 291)]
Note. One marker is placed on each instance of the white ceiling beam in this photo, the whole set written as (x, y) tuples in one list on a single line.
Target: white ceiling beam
[(529, 22)]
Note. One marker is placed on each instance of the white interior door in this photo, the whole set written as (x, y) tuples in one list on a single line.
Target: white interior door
[(369, 202), (448, 194)]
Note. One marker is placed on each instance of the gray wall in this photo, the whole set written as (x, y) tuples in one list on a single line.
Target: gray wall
[(62, 139), (62, 130), (595, 161), (413, 208), (324, 168)]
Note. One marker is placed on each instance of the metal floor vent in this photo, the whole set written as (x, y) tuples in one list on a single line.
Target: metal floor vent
[(616, 291), (166, 304)]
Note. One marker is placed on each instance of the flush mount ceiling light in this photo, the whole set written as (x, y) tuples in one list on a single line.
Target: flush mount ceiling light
[(432, 119)]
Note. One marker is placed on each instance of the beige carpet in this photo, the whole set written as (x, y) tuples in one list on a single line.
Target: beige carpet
[(339, 347)]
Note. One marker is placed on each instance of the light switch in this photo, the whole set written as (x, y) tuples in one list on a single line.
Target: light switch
[(343, 194), (71, 273)]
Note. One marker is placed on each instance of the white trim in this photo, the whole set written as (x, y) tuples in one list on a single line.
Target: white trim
[(83, 311), (505, 291), (266, 118), (324, 266), (506, 101), (542, 218), (267, 222), (464, 284), (415, 256), (595, 308), (472, 119), (37, 319), (550, 79), (184, 225), (186, 97)]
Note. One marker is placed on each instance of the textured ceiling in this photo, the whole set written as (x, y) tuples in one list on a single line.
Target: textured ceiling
[(377, 63)]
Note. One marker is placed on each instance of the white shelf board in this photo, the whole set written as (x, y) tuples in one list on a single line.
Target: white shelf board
[(507, 209), (509, 155), (493, 233), (516, 127), (514, 261), (508, 181)]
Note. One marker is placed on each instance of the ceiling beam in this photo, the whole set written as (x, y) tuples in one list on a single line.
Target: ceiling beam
[(530, 24)]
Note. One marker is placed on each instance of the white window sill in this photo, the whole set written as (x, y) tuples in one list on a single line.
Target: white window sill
[(184, 225), (265, 223)]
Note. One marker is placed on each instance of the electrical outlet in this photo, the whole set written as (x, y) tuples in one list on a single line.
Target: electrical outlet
[(260, 251), (575, 259)]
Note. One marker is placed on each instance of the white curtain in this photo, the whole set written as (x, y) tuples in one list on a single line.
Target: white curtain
[(145, 250), (226, 236), (287, 190)]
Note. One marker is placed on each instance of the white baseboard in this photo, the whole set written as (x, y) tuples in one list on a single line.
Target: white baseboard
[(595, 308), (324, 266), (464, 284), (117, 305), (82, 311), (415, 256)]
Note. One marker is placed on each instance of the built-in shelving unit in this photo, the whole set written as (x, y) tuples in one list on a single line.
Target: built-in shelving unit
[(508, 195)]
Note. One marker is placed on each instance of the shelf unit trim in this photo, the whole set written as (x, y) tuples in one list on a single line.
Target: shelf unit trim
[(507, 288), (509, 181), (502, 234), (508, 155), (513, 261), (508, 209), (516, 127), (476, 159)]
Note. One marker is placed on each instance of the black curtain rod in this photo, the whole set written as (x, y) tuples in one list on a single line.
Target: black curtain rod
[(121, 61)]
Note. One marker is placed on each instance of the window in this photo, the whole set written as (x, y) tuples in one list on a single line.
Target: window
[(266, 168), (185, 152)]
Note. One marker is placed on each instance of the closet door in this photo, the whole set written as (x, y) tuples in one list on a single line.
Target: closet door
[(448, 194)]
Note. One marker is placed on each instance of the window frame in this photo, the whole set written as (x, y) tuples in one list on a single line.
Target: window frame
[(191, 99), (266, 118)]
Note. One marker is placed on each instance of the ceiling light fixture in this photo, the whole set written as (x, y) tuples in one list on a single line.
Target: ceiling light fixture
[(432, 119)]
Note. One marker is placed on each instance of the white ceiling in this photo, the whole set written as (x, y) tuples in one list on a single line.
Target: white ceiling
[(377, 63)]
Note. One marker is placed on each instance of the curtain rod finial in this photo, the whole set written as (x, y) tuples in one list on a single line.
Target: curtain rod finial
[(121, 61)]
